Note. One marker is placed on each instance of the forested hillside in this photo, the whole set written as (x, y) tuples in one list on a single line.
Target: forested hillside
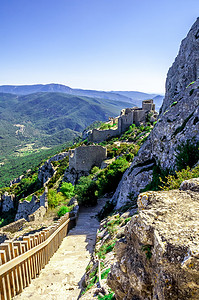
[(31, 125)]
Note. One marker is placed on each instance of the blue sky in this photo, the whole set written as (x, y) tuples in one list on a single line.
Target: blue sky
[(92, 44)]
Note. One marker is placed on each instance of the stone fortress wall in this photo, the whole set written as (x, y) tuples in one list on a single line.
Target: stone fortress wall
[(128, 116), (84, 158)]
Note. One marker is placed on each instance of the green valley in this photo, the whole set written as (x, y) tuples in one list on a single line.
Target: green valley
[(37, 125)]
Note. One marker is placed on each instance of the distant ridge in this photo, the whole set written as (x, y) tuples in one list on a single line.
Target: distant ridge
[(133, 97)]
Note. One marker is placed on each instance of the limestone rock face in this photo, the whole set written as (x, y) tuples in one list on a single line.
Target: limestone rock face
[(159, 256), (58, 157), (177, 123), (45, 172), (185, 69), (7, 202), (34, 209), (16, 180)]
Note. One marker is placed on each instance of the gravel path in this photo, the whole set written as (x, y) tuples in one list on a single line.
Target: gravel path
[(62, 277)]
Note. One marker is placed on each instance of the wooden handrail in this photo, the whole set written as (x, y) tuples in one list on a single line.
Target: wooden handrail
[(21, 261), (17, 260)]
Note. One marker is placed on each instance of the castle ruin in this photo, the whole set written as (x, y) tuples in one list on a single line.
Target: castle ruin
[(84, 158), (128, 116)]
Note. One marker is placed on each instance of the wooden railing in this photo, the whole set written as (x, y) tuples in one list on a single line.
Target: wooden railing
[(21, 261)]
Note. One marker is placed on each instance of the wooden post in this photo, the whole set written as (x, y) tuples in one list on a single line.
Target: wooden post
[(6, 277), (6, 248)]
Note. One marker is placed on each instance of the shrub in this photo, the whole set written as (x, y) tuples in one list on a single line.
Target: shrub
[(95, 170), (174, 103), (63, 164), (109, 178), (174, 181), (187, 155), (105, 248), (159, 176), (67, 189), (54, 198), (63, 210), (86, 191), (105, 273), (7, 217)]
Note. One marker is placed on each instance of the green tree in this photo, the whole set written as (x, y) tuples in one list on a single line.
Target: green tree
[(67, 189), (109, 178), (86, 191)]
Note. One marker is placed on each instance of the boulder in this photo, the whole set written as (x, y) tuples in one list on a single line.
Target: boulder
[(159, 256)]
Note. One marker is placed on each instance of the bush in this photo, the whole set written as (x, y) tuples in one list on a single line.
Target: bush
[(63, 210), (7, 217), (54, 198), (159, 177), (104, 249), (109, 178), (95, 170), (187, 155), (174, 181), (86, 191), (67, 189)]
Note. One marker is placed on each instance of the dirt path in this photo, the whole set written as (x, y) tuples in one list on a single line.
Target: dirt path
[(62, 277)]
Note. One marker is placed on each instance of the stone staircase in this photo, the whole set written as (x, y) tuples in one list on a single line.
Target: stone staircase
[(62, 277)]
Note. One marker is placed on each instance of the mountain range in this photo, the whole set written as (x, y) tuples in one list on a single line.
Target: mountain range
[(125, 96)]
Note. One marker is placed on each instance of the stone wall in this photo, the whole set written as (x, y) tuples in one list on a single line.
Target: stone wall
[(14, 226), (38, 214), (158, 256), (148, 105), (102, 135), (125, 120), (85, 157), (139, 116), (128, 116)]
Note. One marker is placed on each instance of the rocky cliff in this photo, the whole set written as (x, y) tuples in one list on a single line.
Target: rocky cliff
[(159, 258), (185, 69), (178, 121)]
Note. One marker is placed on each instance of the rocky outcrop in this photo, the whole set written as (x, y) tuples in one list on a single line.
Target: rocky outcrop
[(185, 69), (45, 172), (35, 209), (73, 176), (7, 202), (159, 257), (16, 180), (178, 121), (58, 157)]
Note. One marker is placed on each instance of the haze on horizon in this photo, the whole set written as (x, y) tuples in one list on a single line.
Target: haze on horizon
[(92, 44)]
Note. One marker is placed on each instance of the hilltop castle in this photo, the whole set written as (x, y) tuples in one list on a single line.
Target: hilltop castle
[(128, 116)]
